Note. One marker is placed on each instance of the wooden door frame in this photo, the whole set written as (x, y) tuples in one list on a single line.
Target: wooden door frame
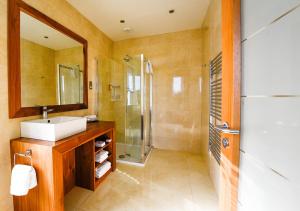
[(231, 106)]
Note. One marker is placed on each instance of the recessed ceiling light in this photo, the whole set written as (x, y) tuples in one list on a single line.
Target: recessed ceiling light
[(46, 37), (171, 11), (122, 21), (127, 29)]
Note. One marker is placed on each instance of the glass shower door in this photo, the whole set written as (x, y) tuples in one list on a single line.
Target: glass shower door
[(133, 118), (70, 85), (147, 107), (138, 95)]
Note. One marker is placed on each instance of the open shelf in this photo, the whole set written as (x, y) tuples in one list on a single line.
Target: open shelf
[(110, 147)]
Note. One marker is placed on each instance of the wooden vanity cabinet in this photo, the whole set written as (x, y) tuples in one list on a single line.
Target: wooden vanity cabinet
[(63, 164)]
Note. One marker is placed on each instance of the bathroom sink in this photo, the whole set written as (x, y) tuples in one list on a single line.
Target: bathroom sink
[(53, 129)]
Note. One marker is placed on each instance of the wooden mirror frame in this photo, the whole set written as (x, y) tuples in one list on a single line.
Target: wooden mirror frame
[(14, 65)]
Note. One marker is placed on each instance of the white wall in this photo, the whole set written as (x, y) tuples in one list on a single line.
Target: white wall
[(270, 141)]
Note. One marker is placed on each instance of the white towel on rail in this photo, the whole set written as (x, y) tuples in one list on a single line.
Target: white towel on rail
[(23, 178)]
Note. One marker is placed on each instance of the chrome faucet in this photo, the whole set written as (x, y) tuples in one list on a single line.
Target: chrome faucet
[(45, 112)]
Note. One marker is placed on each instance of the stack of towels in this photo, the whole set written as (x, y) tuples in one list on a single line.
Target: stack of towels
[(100, 143), (91, 118), (101, 156), (105, 138), (23, 178), (100, 171)]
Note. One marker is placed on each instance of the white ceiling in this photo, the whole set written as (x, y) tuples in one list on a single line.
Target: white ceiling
[(34, 30), (145, 17)]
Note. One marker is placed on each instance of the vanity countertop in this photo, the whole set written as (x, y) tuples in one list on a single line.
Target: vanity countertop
[(73, 141)]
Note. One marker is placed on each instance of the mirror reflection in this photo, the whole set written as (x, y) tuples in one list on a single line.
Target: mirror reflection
[(51, 65)]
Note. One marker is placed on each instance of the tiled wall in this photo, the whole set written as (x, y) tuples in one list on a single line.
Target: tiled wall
[(99, 47), (269, 168), (70, 56), (177, 65), (211, 48), (112, 73), (38, 75)]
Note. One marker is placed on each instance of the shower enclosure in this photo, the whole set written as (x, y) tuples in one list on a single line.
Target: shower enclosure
[(69, 84), (125, 93), (137, 142)]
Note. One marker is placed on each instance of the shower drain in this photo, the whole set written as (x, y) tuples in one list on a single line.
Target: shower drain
[(123, 156)]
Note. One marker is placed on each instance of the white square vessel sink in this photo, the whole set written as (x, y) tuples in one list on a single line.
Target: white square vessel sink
[(53, 129)]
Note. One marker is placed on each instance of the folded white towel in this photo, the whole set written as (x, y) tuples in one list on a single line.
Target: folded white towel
[(103, 166), (100, 159), (101, 156), (108, 140), (100, 143), (23, 178), (100, 171), (91, 118), (102, 153)]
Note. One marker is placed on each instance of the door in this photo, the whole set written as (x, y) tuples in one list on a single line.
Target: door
[(147, 100), (69, 84), (133, 148), (229, 129)]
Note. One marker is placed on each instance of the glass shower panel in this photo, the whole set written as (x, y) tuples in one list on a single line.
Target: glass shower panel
[(147, 98), (133, 123), (132, 109), (70, 87)]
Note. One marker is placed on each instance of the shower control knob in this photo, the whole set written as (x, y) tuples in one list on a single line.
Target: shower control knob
[(225, 142)]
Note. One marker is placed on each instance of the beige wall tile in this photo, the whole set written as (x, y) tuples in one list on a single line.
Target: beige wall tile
[(38, 76)]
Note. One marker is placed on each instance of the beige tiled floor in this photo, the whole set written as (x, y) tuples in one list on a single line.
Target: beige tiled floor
[(170, 181)]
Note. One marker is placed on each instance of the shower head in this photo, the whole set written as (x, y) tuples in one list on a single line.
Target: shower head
[(149, 68), (127, 58)]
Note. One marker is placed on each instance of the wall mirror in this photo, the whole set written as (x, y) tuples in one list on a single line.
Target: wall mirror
[(47, 64)]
